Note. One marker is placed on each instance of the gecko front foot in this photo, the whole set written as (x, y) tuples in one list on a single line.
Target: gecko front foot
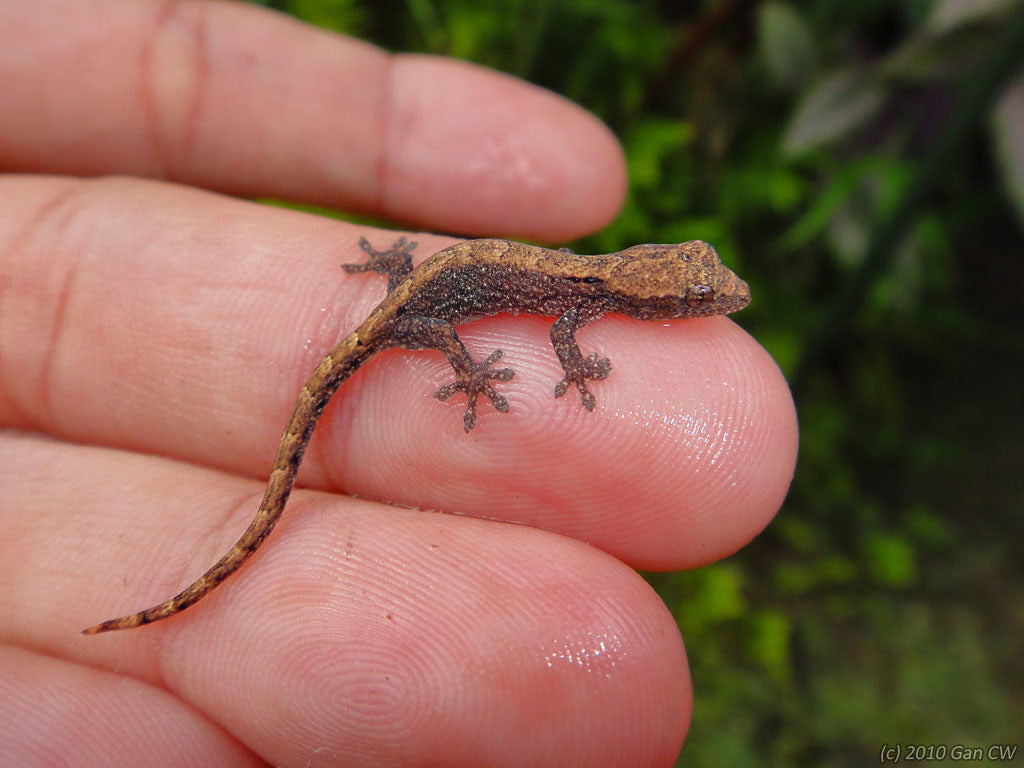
[(580, 373), (395, 262), (475, 382)]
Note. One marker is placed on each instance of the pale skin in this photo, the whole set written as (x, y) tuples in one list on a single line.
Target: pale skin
[(155, 336)]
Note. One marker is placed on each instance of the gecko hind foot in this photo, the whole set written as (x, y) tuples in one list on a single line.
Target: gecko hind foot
[(478, 382), (587, 369)]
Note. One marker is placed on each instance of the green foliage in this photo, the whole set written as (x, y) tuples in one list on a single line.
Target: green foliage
[(338, 15), (862, 165)]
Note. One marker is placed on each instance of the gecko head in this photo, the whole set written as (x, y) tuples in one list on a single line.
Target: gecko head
[(682, 280)]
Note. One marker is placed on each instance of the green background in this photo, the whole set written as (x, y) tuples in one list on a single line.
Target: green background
[(862, 166)]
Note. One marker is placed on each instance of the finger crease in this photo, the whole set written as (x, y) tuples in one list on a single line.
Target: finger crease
[(174, 67)]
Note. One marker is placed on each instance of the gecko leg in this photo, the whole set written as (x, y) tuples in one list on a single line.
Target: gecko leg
[(418, 332), (578, 369), (395, 262)]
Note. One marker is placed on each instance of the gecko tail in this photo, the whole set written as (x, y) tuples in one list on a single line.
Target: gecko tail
[(269, 512), (198, 589), (343, 360), (134, 620), (279, 486)]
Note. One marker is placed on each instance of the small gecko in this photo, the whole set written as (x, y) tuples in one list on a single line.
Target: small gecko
[(464, 282)]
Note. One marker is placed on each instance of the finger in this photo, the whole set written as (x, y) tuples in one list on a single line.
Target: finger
[(186, 323), (376, 634), (53, 712), (243, 100)]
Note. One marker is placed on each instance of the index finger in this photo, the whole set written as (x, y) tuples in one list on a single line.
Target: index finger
[(247, 101)]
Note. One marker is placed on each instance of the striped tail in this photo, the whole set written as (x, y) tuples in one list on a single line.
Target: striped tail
[(344, 360)]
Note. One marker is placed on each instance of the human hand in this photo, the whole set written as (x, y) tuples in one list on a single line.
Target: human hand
[(153, 337)]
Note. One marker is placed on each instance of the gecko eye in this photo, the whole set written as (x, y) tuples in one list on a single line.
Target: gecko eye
[(699, 295)]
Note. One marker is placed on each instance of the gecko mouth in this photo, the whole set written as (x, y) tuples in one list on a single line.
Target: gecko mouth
[(734, 303)]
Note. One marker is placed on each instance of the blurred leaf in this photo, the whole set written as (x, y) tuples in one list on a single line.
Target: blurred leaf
[(927, 526), (949, 14), (889, 559), (794, 579), (707, 228), (647, 145), (861, 189), (428, 24), (946, 48), (717, 595), (839, 104), (878, 183), (1008, 133), (769, 642), (784, 347), (786, 46), (340, 15)]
